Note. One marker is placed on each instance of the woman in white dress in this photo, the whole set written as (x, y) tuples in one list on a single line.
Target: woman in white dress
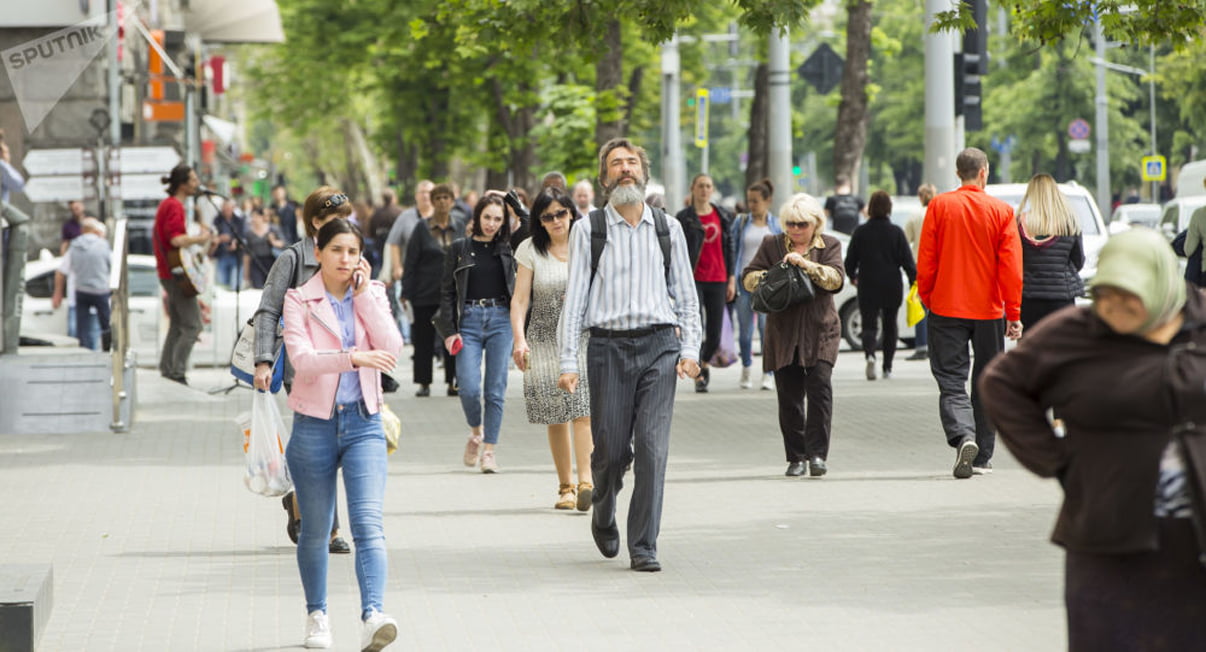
[(540, 282)]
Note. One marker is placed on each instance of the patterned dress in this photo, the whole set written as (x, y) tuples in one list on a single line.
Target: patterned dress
[(547, 403)]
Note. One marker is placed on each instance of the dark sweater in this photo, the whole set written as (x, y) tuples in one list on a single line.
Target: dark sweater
[(878, 252)]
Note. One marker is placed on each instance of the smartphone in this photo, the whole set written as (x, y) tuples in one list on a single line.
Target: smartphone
[(357, 279), (456, 347)]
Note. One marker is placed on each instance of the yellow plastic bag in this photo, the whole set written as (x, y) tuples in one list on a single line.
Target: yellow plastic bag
[(916, 311), (393, 428)]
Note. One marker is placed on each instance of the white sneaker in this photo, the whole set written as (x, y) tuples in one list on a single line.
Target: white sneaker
[(768, 382), (746, 383), (871, 367), (318, 631), (378, 631)]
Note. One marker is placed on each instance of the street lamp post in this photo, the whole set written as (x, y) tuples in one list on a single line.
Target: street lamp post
[(1103, 65)]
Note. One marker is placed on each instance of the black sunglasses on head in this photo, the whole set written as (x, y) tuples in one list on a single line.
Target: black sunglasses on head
[(335, 200)]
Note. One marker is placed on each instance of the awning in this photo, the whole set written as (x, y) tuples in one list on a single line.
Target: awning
[(235, 21), (223, 130)]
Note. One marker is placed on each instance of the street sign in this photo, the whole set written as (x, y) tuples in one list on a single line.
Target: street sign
[(1155, 168), (142, 186), (1079, 145), (1079, 129), (1004, 146), (701, 117), (50, 189), (54, 161), (822, 69), (721, 94), (148, 159)]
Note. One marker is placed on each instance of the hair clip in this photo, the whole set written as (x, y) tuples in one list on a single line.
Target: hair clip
[(335, 200)]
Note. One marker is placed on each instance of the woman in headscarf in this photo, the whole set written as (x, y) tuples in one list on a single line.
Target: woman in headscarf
[(1128, 377)]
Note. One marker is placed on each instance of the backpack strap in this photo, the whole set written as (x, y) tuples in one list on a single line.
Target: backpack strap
[(662, 228), (598, 239)]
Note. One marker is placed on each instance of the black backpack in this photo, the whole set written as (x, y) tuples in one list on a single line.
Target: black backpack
[(598, 239)]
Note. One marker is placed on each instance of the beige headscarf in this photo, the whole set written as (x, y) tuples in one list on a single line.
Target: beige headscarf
[(1141, 261)]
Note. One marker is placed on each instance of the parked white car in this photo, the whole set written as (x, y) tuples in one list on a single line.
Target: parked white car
[(148, 316), (1130, 215), (1177, 212)]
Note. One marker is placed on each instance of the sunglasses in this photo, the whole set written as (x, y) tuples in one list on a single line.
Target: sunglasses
[(335, 200), (796, 225), (557, 215)]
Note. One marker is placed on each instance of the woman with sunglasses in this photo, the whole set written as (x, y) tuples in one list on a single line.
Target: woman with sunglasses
[(340, 336), (475, 322), (802, 342), (296, 265), (540, 282)]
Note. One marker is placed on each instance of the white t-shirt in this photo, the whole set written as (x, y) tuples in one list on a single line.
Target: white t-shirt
[(751, 239)]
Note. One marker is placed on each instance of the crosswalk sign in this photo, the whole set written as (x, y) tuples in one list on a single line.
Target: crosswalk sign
[(1155, 168)]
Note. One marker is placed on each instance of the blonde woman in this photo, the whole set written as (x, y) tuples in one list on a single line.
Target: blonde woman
[(1052, 251), (801, 344)]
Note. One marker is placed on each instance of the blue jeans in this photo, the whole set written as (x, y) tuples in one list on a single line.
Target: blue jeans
[(353, 439), (745, 326), (484, 330), (86, 326), (71, 325), (230, 270)]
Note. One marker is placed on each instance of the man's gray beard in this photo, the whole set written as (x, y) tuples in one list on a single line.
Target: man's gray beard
[(625, 195)]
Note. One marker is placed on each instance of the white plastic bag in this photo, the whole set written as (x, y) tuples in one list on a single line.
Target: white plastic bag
[(264, 437)]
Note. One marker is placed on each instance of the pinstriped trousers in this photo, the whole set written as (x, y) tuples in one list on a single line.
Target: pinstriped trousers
[(632, 385)]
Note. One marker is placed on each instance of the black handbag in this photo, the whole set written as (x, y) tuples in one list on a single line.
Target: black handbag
[(782, 287), (388, 384)]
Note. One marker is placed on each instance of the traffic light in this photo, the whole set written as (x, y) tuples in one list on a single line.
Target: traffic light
[(969, 66)]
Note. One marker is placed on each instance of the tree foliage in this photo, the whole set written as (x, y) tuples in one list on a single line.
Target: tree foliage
[(1128, 21)]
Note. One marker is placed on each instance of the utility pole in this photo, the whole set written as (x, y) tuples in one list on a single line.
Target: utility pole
[(1102, 127), (939, 101), (672, 142), (779, 118)]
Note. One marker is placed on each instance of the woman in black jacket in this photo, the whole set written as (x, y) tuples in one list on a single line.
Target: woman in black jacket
[(1052, 251), (878, 252), (421, 285), (475, 322)]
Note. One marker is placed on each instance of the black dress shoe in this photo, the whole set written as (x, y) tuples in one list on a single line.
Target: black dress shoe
[(338, 546), (816, 467), (424, 391), (293, 527), (645, 565), (795, 469), (607, 540), (701, 383), (452, 390)]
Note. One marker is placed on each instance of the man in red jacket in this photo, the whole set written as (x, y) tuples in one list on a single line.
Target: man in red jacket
[(969, 276)]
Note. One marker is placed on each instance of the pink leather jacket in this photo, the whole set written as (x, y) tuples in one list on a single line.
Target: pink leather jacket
[(312, 339)]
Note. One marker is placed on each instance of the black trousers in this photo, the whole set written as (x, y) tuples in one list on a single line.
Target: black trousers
[(872, 312), (805, 437), (961, 417), (1035, 309), (423, 335), (711, 308)]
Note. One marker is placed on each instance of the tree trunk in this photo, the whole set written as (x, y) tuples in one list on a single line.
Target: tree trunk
[(756, 168), (407, 168), (851, 133), (374, 184), (350, 185), (435, 145), (609, 77)]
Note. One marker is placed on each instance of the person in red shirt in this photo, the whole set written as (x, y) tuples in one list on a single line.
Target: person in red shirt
[(708, 230), (171, 233), (969, 276)]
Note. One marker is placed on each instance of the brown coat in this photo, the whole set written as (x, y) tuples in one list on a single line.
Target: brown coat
[(1120, 397), (809, 331)]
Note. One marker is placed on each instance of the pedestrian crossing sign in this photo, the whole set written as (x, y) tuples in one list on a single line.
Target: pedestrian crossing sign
[(1155, 168)]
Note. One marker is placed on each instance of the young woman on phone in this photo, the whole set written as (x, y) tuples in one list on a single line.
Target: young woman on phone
[(340, 336)]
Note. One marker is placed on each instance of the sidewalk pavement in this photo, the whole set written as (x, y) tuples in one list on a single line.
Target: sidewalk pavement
[(157, 545)]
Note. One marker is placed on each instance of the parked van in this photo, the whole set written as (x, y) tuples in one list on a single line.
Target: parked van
[(1190, 179)]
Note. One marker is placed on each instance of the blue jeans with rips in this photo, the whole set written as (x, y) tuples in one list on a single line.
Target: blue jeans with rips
[(352, 439), (745, 326), (486, 332)]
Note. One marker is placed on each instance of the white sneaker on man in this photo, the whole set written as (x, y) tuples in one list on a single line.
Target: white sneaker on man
[(379, 630), (746, 383), (318, 631), (768, 382)]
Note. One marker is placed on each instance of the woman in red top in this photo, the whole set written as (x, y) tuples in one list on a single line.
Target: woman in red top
[(707, 228), (170, 234)]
